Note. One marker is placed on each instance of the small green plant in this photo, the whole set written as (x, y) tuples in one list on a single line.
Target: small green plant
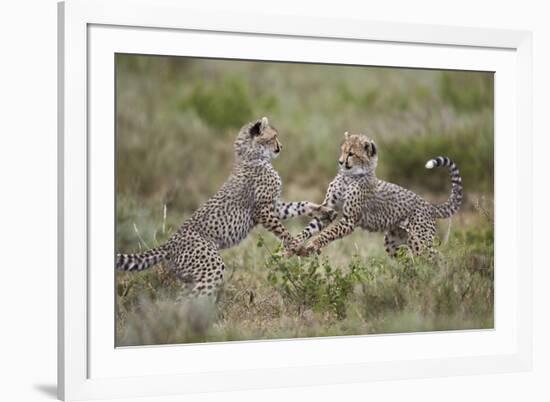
[(312, 283)]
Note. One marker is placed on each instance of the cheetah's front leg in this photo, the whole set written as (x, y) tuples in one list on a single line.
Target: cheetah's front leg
[(287, 210), (344, 227), (319, 222), (325, 217), (351, 216), (270, 220)]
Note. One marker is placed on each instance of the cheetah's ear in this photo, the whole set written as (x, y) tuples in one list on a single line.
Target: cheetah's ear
[(265, 124), (370, 147), (346, 135), (373, 148), (256, 129)]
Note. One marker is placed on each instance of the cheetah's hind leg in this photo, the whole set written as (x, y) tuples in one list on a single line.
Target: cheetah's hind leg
[(421, 239), (393, 239), (201, 268)]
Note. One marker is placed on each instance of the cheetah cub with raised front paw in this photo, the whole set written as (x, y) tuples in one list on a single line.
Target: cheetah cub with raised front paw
[(378, 206), (250, 196)]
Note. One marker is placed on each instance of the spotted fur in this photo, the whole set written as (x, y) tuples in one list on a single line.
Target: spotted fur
[(251, 196), (378, 206)]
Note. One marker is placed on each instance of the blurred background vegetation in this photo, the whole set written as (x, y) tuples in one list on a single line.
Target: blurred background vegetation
[(176, 121)]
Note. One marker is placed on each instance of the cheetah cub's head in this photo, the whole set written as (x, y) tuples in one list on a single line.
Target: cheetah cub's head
[(358, 155), (258, 140)]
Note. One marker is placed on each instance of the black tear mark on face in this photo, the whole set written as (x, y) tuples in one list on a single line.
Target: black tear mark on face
[(255, 130)]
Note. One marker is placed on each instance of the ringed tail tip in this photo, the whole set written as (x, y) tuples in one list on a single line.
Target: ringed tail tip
[(430, 164)]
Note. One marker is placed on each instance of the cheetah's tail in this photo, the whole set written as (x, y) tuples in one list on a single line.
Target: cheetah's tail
[(141, 261), (449, 207)]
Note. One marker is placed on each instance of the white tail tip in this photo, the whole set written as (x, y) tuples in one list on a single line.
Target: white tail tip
[(430, 164)]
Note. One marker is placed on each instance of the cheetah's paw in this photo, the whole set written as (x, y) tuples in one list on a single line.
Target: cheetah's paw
[(305, 250), (326, 213)]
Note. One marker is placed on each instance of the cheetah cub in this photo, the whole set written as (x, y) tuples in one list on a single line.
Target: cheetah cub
[(250, 196), (378, 206)]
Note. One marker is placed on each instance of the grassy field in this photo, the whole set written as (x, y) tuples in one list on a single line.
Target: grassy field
[(176, 121)]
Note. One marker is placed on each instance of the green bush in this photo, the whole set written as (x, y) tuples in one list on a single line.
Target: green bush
[(267, 296), (313, 285), (402, 161), (226, 104), (467, 92)]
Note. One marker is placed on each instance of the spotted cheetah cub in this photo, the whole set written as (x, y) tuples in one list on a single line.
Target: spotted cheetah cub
[(378, 206), (251, 196)]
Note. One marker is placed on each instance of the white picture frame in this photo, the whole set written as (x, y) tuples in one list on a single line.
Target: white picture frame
[(90, 32)]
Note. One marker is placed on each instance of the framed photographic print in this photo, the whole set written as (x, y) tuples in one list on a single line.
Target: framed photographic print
[(263, 201)]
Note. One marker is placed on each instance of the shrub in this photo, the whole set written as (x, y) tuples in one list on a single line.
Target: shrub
[(312, 283), (471, 150), (227, 104), (467, 92)]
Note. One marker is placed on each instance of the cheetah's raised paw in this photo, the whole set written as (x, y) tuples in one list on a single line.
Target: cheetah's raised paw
[(326, 213)]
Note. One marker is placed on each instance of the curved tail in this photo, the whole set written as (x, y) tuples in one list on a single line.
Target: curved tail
[(141, 261), (449, 207)]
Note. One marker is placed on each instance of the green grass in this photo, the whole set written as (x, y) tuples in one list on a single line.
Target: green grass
[(352, 289), (176, 122)]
